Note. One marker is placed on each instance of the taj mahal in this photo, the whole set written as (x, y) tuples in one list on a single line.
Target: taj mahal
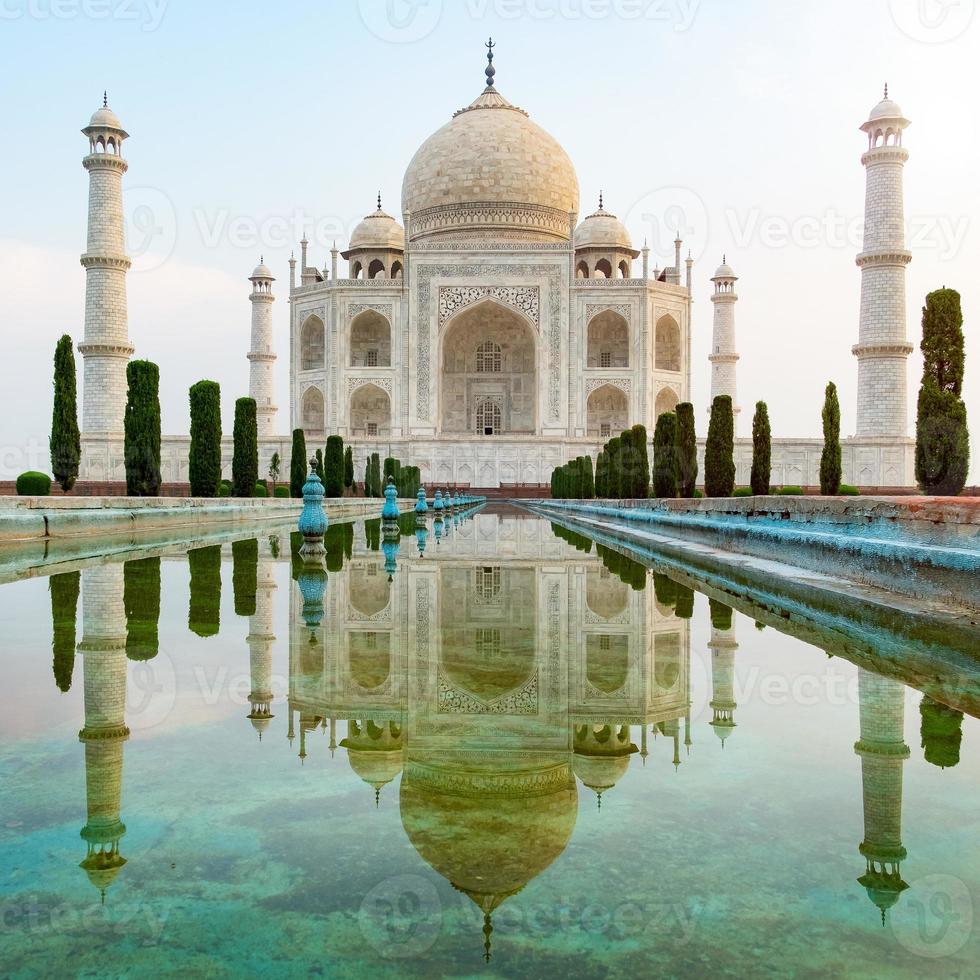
[(492, 334)]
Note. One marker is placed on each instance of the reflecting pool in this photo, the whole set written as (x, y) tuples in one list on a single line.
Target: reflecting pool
[(483, 746)]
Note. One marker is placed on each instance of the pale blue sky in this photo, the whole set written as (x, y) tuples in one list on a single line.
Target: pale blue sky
[(745, 114)]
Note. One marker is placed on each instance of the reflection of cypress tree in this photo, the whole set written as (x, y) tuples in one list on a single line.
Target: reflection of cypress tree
[(296, 561), (685, 602), (204, 615), (577, 541), (941, 732), (141, 599), (721, 615), (665, 589), (348, 541), (244, 575), (372, 534), (334, 541), (629, 572), (64, 611)]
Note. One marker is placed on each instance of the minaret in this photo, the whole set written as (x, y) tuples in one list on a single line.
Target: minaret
[(883, 348), (883, 753), (106, 348), (261, 640), (103, 648), (262, 359), (723, 646), (723, 356)]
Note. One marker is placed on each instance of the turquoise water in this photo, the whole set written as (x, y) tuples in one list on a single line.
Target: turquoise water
[(516, 755)]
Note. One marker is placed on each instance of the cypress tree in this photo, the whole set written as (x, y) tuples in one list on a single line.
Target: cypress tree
[(205, 452), (665, 456), (627, 458), (687, 451), (719, 454), (615, 478), (297, 464), (333, 467), (245, 462), (554, 483), (641, 462), (377, 490), (65, 446), (141, 600), (602, 475), (761, 450), (942, 439), (588, 478), (142, 430), (830, 458), (64, 590), (318, 465), (349, 469), (204, 611), (245, 575)]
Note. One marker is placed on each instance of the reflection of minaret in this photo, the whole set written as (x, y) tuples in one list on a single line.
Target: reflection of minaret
[(260, 643), (722, 646), (104, 648), (882, 750)]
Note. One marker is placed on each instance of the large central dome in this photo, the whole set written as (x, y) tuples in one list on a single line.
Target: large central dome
[(491, 174)]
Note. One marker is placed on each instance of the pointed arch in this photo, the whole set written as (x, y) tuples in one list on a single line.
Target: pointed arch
[(370, 411), (607, 412), (666, 401), (668, 356), (311, 344), (370, 340), (608, 340), (313, 410)]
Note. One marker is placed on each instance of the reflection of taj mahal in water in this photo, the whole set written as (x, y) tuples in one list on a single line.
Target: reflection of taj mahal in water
[(491, 711)]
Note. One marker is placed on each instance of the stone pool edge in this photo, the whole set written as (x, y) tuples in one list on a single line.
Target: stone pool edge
[(36, 518), (923, 548)]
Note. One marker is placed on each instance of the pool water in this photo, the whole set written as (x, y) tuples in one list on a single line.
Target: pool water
[(512, 754)]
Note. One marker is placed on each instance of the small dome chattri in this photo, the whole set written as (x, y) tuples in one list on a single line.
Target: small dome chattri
[(602, 230), (378, 230), (724, 271), (262, 271)]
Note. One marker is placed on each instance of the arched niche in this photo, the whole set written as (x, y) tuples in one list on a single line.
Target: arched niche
[(311, 345), (313, 410), (370, 411), (608, 340), (369, 656), (668, 344), (666, 401), (607, 412), (607, 661), (370, 340), (488, 359), (607, 596)]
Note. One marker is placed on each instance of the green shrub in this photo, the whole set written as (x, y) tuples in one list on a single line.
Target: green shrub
[(846, 490), (761, 451), (205, 452), (142, 430), (245, 461), (281, 493), (719, 455), (790, 491), (743, 492), (687, 451), (224, 489), (941, 732), (66, 441), (298, 464), (261, 490), (942, 439), (698, 494), (830, 458), (33, 484)]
